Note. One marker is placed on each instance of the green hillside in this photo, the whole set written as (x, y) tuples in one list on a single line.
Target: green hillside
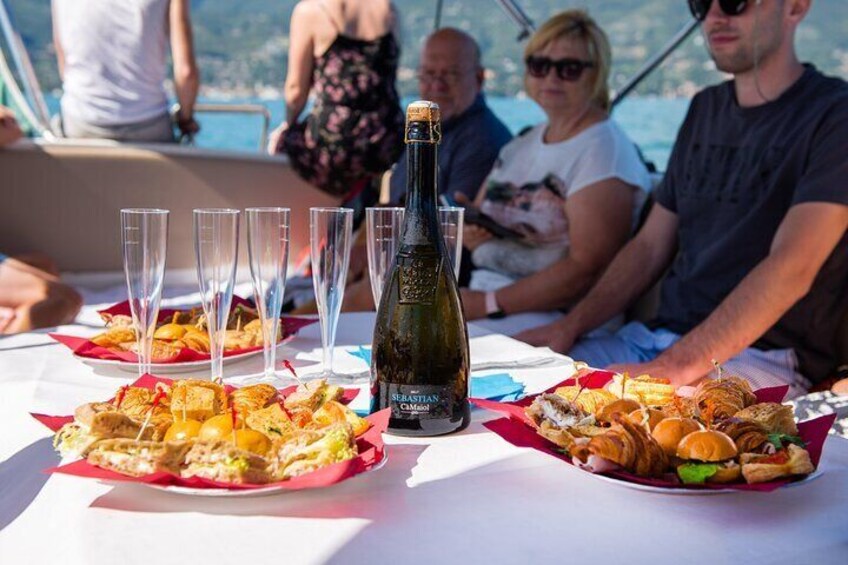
[(241, 45)]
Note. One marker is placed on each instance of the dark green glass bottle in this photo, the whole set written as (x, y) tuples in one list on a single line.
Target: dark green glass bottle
[(420, 360)]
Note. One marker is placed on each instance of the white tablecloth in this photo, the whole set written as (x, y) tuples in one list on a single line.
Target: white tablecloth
[(465, 498)]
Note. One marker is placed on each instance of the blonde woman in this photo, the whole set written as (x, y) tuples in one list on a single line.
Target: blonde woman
[(572, 187)]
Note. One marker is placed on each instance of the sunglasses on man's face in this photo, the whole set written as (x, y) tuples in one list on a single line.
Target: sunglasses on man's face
[(566, 69), (700, 8)]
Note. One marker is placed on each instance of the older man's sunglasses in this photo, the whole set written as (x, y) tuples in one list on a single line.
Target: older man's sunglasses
[(566, 69), (700, 8)]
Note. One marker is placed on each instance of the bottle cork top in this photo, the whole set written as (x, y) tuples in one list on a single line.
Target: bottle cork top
[(422, 111)]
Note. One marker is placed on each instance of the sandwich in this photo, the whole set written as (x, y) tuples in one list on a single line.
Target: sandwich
[(254, 397), (223, 462), (271, 421), (590, 400), (788, 462), (312, 395), (197, 400), (557, 419), (670, 431), (139, 458), (98, 421), (644, 389), (333, 412), (303, 451), (708, 456), (774, 417)]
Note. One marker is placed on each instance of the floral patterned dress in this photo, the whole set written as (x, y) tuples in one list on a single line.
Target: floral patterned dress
[(355, 130)]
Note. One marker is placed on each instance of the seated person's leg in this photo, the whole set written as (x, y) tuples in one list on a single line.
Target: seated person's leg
[(634, 343), (37, 298), (763, 369)]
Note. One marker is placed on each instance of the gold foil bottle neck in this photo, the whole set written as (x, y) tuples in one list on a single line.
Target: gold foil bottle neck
[(424, 111)]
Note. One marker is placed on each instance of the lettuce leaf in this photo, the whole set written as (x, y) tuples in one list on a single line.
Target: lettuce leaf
[(696, 473), (779, 440)]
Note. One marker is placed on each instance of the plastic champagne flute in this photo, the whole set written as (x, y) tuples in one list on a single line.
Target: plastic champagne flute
[(268, 249), (216, 248), (144, 238), (330, 237)]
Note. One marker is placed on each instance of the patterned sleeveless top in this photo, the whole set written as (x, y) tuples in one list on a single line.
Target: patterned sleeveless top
[(355, 129)]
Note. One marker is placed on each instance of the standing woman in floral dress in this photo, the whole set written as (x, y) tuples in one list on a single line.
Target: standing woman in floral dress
[(345, 52)]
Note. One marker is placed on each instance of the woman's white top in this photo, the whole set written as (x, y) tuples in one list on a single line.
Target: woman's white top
[(531, 182), (115, 59)]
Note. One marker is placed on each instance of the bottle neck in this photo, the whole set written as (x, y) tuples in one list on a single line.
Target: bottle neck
[(421, 204)]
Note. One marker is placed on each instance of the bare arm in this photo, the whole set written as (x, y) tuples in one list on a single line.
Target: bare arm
[(593, 244), (57, 45), (299, 74), (9, 129), (186, 75), (635, 268), (803, 242)]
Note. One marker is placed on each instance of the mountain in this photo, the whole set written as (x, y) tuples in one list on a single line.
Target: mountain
[(241, 45)]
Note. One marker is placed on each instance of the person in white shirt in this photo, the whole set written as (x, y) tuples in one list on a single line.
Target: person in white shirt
[(113, 62), (572, 187)]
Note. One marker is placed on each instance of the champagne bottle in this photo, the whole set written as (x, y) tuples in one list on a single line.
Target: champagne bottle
[(420, 359)]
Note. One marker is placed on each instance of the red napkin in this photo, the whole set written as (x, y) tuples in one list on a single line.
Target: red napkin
[(84, 348), (518, 430), (370, 444)]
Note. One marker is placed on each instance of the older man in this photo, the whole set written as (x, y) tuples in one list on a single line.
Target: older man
[(751, 218), (450, 73)]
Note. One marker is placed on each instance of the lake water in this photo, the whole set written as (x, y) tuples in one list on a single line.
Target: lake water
[(650, 122)]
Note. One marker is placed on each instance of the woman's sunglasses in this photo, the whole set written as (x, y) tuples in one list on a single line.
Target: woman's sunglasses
[(700, 8), (566, 69)]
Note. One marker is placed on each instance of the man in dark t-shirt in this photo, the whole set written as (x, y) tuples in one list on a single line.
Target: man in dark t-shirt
[(750, 221)]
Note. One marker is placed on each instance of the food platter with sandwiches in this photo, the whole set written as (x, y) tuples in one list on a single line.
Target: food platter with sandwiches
[(180, 339), (718, 436), (193, 435)]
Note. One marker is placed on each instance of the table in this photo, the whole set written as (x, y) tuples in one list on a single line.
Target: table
[(464, 498)]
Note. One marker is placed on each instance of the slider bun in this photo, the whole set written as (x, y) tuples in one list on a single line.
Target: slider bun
[(707, 446), (216, 427), (252, 441), (654, 417), (670, 431), (183, 430), (621, 406)]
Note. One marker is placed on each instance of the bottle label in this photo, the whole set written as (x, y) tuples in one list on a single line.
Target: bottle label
[(418, 402), (417, 278)]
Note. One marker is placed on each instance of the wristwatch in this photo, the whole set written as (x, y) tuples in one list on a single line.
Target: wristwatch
[(493, 311)]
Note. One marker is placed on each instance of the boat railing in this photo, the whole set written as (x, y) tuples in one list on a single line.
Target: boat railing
[(211, 108)]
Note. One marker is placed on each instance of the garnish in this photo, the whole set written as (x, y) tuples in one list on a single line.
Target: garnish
[(718, 369), (119, 398), (160, 394), (233, 415), (696, 473), (275, 430), (580, 391), (289, 366), (778, 440), (779, 458)]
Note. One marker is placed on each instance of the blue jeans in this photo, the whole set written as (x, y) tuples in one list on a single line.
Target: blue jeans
[(635, 343)]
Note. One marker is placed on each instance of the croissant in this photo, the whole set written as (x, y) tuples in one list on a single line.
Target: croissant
[(680, 407), (727, 395), (253, 397), (748, 435), (628, 445)]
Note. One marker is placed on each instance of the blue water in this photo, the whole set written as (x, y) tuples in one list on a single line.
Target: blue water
[(652, 123)]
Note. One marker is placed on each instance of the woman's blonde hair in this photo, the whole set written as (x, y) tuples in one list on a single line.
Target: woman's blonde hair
[(578, 24)]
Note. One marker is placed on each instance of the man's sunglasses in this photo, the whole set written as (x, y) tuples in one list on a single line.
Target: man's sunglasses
[(700, 8), (566, 69)]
